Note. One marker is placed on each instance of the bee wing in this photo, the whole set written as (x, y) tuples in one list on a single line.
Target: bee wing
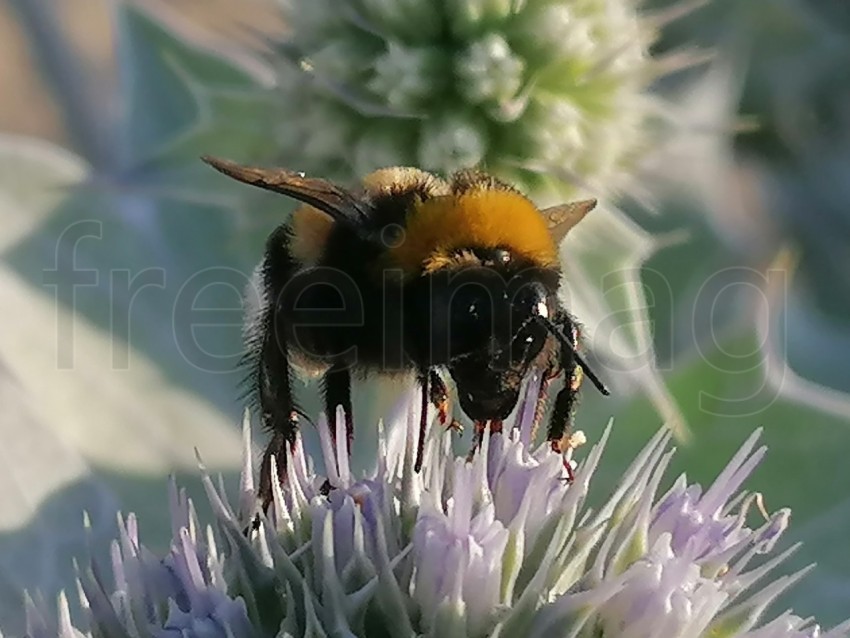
[(329, 198), (563, 217)]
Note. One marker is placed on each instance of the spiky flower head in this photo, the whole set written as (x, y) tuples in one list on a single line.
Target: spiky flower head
[(497, 546), (541, 92)]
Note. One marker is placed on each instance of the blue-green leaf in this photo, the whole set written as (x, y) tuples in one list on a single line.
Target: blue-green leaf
[(182, 98)]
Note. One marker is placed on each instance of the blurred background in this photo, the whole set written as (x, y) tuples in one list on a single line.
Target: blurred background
[(713, 283)]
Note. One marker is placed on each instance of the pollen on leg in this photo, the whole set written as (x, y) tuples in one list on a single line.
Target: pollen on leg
[(443, 411), (565, 447), (576, 439), (577, 378)]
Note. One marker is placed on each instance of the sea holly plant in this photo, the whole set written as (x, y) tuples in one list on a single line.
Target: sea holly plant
[(500, 545)]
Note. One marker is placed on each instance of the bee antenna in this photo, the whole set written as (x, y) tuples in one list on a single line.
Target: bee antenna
[(566, 343)]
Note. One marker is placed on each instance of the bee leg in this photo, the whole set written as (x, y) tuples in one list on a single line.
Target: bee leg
[(423, 420), (440, 399), (439, 395), (571, 474), (336, 386), (279, 414), (549, 374), (337, 391), (560, 421), (477, 438), (282, 438)]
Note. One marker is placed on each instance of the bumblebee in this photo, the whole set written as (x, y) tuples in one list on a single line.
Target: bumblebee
[(410, 273)]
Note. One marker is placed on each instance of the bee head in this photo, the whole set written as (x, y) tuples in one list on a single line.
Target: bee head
[(482, 326), (489, 377)]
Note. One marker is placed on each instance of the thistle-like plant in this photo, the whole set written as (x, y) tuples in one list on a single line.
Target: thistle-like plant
[(500, 545)]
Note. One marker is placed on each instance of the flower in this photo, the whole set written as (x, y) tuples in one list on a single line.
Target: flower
[(499, 545), (181, 594), (550, 92)]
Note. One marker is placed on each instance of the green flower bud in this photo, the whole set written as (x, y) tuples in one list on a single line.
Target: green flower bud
[(489, 70), (451, 142), (406, 78)]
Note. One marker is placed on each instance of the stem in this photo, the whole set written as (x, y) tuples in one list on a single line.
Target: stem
[(85, 119)]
